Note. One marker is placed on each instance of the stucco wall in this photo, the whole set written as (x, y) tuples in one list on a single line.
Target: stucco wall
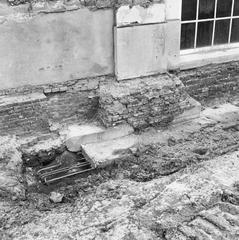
[(54, 47)]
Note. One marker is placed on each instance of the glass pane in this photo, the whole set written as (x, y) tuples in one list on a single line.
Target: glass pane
[(189, 8), (204, 35), (187, 35), (222, 31), (236, 8), (235, 30), (206, 9), (224, 8)]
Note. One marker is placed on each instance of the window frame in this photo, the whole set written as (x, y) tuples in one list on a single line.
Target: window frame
[(212, 47)]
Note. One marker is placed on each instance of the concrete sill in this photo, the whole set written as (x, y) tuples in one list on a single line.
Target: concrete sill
[(193, 60)]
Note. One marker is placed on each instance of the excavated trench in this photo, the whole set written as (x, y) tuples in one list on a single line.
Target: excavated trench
[(144, 164)]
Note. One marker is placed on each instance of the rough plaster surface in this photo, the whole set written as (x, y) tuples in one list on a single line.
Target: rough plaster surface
[(138, 15), (55, 47), (92, 4)]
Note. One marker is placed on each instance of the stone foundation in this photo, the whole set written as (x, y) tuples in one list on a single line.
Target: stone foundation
[(143, 102), (148, 101)]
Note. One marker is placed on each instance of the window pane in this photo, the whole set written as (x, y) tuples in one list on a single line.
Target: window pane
[(206, 9), (189, 8), (222, 31), (204, 35), (235, 30), (224, 8), (236, 8), (187, 35)]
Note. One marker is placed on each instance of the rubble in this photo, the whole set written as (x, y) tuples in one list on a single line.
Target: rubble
[(56, 197), (151, 101), (11, 180)]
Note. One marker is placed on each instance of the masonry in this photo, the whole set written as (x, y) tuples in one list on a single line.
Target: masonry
[(57, 56)]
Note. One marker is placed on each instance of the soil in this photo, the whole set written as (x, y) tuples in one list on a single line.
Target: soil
[(186, 189)]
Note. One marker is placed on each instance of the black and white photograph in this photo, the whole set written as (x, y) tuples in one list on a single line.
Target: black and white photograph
[(119, 119)]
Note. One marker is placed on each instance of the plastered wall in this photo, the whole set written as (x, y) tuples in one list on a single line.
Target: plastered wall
[(46, 47)]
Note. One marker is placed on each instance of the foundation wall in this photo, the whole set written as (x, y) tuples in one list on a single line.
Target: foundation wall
[(143, 102), (42, 109), (212, 80)]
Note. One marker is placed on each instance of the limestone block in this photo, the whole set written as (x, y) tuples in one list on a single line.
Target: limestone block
[(127, 15), (173, 9), (91, 134), (105, 153), (172, 43), (140, 51), (226, 113)]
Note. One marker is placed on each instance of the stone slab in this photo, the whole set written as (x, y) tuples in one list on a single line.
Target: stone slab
[(91, 134), (54, 47), (8, 100), (105, 153), (127, 15), (140, 51), (223, 114)]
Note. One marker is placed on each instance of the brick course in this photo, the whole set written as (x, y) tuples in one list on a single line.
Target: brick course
[(68, 102), (211, 81)]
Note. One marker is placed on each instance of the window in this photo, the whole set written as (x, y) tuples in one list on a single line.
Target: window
[(209, 23)]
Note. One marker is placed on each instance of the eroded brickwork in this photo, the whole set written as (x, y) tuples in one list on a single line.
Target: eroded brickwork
[(211, 81), (143, 102), (69, 102), (154, 100)]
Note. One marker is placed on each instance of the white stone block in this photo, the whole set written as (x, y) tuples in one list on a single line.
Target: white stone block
[(140, 51), (173, 9), (85, 134), (127, 15)]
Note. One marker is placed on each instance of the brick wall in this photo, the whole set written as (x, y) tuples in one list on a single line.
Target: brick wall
[(212, 80), (37, 109), (31, 110)]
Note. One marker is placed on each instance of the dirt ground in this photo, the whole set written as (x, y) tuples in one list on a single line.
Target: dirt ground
[(186, 189)]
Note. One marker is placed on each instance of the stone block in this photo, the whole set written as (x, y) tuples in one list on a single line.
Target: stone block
[(140, 51), (226, 113), (173, 9), (18, 99), (172, 43), (127, 15), (91, 134), (105, 153)]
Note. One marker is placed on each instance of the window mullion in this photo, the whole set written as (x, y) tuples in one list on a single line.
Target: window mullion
[(214, 23), (230, 28), (196, 27)]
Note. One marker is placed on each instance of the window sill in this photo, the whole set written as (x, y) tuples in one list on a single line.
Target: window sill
[(198, 59)]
